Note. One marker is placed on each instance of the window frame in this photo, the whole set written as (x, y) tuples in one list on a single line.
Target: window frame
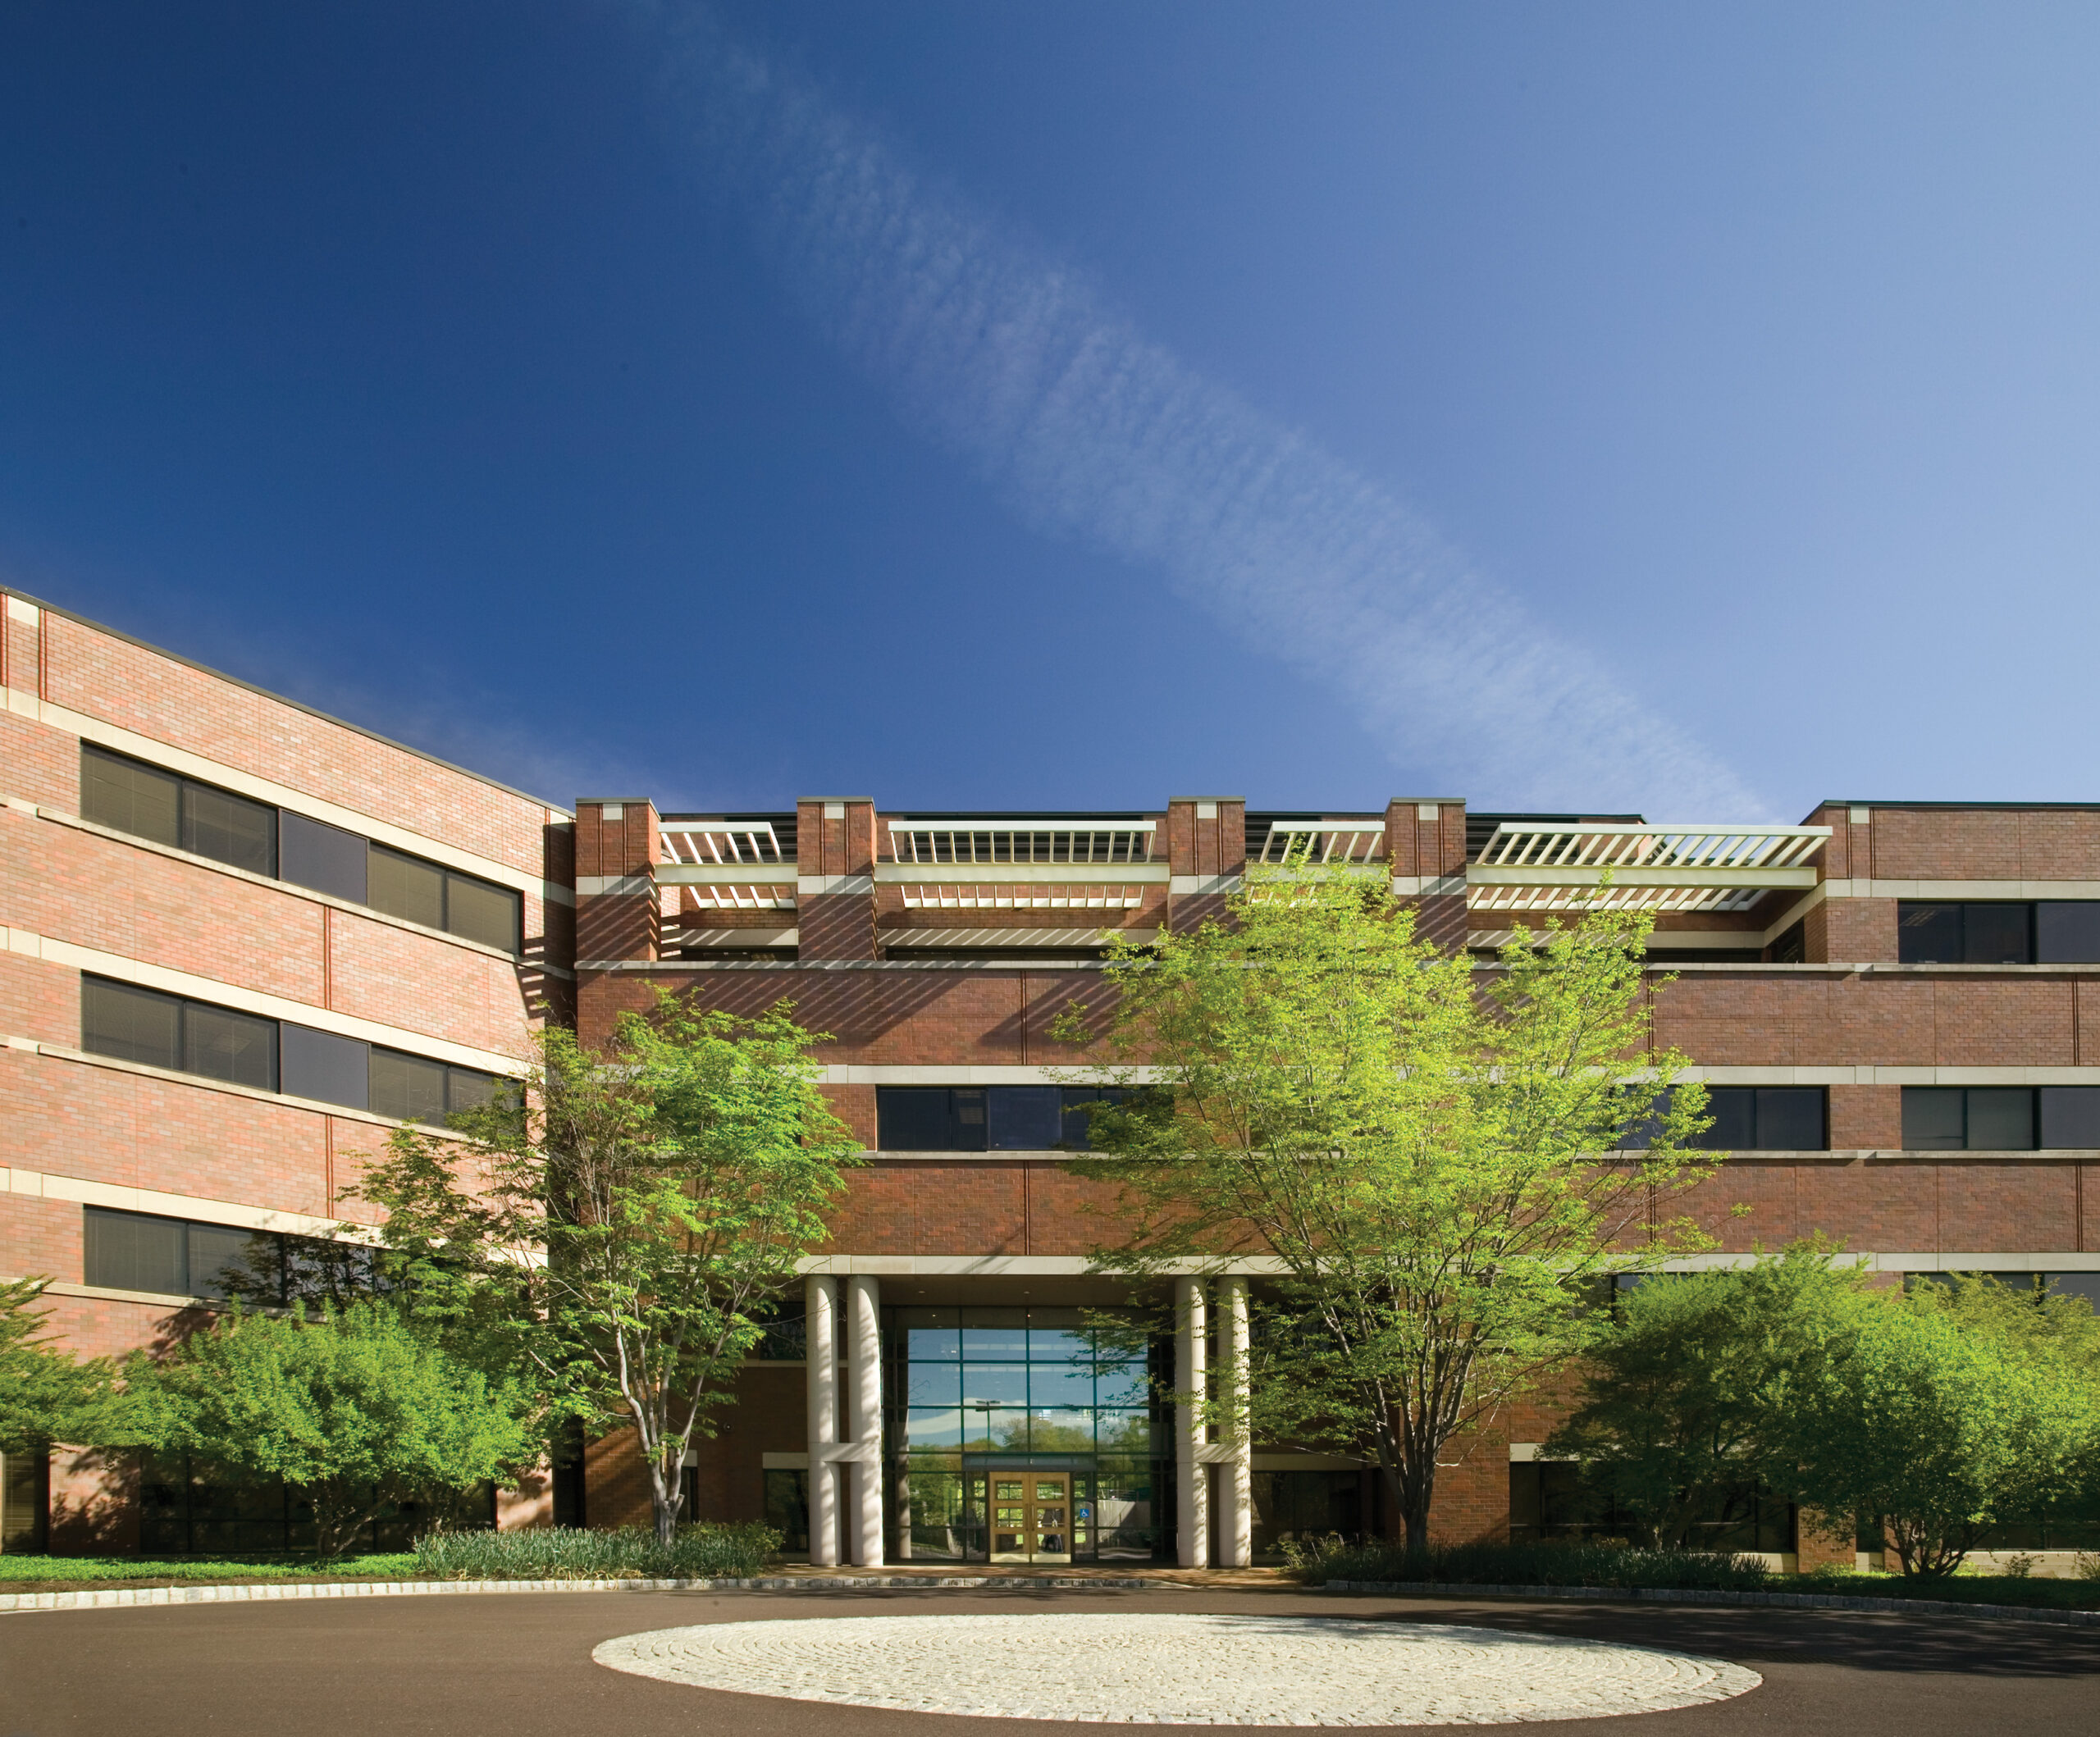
[(447, 876), (184, 1006), (184, 786), (2033, 1093)]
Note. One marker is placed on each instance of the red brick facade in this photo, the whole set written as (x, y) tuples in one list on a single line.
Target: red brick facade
[(925, 969)]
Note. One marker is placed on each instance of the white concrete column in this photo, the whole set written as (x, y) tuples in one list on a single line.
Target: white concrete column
[(864, 1406), (821, 1331), (1236, 1475), (1192, 1505)]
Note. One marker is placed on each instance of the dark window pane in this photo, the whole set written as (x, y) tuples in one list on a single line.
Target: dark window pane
[(467, 1088), (1932, 1118), (2000, 1119), (222, 1044), (129, 1251), (1640, 1136), (229, 829), (1995, 934), (482, 912), (787, 1508), (319, 1065), (2075, 1284), (127, 797), (2067, 932), (407, 1087), (1928, 934), (1790, 1119), (2070, 1116), (131, 1025), (1734, 1111), (1075, 1133), (929, 1118), (226, 1262), (1024, 1118), (405, 886), (324, 858)]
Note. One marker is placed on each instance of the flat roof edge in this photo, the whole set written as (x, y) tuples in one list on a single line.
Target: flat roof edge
[(297, 705)]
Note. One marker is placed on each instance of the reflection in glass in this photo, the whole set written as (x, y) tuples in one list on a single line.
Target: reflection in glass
[(933, 1384), (928, 1429), (995, 1383)]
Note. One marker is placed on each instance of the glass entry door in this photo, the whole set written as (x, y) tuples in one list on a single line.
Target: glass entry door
[(1031, 1516)]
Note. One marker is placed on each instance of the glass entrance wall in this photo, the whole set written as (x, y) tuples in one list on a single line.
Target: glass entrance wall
[(975, 1392)]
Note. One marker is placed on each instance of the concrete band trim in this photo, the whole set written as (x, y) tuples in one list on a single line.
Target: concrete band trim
[(310, 894), (1080, 1266), (201, 1083), (43, 1185), (73, 957)]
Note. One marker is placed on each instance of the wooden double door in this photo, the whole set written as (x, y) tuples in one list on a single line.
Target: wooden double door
[(1033, 1517)]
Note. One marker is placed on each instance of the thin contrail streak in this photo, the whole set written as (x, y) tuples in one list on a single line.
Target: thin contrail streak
[(1088, 429)]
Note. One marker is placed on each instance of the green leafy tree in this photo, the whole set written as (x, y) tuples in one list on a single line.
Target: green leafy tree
[(358, 1410), (1688, 1386), (48, 1396), (1426, 1150), (1940, 1430), (624, 1231)]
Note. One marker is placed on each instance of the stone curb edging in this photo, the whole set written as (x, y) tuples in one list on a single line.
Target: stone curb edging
[(1691, 1595), (126, 1597)]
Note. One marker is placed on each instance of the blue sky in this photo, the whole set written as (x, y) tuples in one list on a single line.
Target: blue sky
[(1685, 409)]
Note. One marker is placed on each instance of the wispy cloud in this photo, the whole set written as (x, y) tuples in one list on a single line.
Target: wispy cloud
[(1011, 360)]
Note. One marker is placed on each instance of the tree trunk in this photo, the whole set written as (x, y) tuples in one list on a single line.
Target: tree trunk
[(665, 1498)]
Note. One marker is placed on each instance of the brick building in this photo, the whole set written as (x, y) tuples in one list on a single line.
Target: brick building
[(243, 939)]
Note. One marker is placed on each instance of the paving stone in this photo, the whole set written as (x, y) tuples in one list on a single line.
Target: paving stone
[(1147, 1668)]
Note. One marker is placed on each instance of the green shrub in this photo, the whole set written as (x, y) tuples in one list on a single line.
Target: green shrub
[(1528, 1564), (701, 1551)]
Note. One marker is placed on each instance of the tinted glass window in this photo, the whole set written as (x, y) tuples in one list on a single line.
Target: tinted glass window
[(229, 829), (407, 1087), (222, 1044), (1025, 1117), (929, 1118), (2000, 1119), (482, 912), (2070, 1116), (131, 1025), (129, 1251), (2067, 932), (1734, 1111), (1995, 934), (1928, 934), (2075, 1284), (127, 797), (466, 1089), (1074, 1130), (1933, 1118), (322, 1066), (323, 857), (405, 886), (1790, 1118), (226, 1262)]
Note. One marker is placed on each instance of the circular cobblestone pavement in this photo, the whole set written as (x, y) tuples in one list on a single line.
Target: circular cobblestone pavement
[(1155, 1668)]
